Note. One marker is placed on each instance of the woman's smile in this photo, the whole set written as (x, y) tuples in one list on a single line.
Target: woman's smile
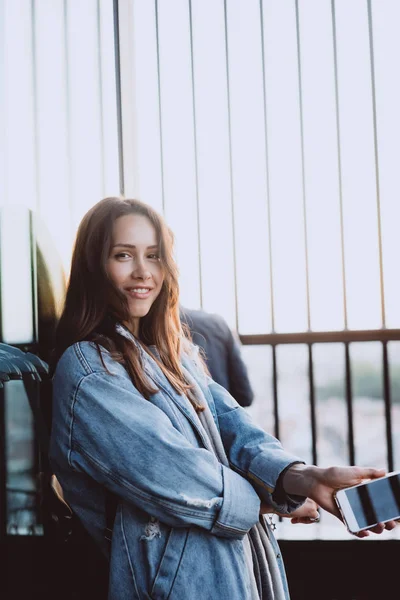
[(139, 292)]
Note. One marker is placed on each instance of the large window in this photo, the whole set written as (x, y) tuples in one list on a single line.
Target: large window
[(59, 154), (267, 132)]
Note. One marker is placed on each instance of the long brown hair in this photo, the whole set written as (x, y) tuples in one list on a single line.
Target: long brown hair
[(94, 305)]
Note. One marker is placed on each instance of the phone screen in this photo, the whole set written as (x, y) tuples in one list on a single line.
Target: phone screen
[(375, 501)]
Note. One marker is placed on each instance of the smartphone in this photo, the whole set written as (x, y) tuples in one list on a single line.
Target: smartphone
[(375, 501)]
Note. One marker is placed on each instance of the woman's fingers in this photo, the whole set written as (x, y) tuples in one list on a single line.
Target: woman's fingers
[(378, 528), (309, 509), (362, 534), (304, 520)]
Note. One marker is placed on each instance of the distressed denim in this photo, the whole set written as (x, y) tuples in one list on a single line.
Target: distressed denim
[(182, 515)]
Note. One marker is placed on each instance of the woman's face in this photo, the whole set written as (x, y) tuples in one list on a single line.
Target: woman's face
[(134, 265)]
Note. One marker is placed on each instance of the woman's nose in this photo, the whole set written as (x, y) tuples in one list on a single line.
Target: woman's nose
[(140, 270)]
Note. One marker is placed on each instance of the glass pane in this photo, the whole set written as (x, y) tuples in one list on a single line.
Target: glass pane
[(178, 148), (249, 166), (17, 118), (259, 363), (60, 137), (358, 165), (147, 104), (394, 370), (285, 166), (108, 101), (84, 109), (385, 18), (368, 404), (53, 135), (16, 276), (330, 404), (294, 399), (22, 501), (212, 138), (321, 166)]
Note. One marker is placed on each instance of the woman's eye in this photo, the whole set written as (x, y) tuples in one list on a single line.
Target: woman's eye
[(122, 255), (154, 256)]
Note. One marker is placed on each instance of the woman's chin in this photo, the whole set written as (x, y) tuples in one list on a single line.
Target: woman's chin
[(139, 313)]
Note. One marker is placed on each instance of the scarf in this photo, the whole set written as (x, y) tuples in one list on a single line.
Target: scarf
[(266, 579)]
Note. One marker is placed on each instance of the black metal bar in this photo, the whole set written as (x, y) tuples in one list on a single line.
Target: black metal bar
[(275, 392), (339, 159), (349, 404), (388, 406), (377, 173), (313, 337), (37, 450), (35, 104), (228, 93), (271, 273), (1, 282), (196, 167), (67, 117), (3, 466), (303, 172), (313, 418), (101, 103), (159, 106), (118, 93), (32, 243)]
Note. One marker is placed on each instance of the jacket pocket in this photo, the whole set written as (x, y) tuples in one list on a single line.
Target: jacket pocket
[(169, 564)]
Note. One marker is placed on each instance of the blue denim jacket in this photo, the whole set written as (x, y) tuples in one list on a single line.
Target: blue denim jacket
[(182, 515)]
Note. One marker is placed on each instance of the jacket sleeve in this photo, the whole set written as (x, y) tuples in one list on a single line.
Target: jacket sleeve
[(252, 452), (239, 383), (129, 445)]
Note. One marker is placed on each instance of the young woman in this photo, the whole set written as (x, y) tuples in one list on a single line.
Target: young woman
[(135, 412)]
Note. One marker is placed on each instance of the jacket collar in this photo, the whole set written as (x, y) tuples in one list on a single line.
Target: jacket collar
[(154, 373)]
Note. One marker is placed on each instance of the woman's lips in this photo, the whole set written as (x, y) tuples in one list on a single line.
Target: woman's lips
[(139, 293)]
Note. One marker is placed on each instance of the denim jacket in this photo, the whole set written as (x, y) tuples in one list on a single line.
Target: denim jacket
[(182, 515)]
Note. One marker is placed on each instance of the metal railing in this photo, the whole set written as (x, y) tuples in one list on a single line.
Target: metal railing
[(340, 337)]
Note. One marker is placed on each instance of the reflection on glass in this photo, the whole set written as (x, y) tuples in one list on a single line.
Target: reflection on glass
[(330, 404), (394, 370), (368, 404), (259, 363), (294, 399), (22, 501), (16, 276)]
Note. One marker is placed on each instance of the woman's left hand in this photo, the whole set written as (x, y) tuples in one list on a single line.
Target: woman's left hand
[(320, 484), (306, 514)]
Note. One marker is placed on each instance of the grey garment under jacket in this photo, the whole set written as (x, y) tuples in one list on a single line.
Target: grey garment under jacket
[(267, 577)]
